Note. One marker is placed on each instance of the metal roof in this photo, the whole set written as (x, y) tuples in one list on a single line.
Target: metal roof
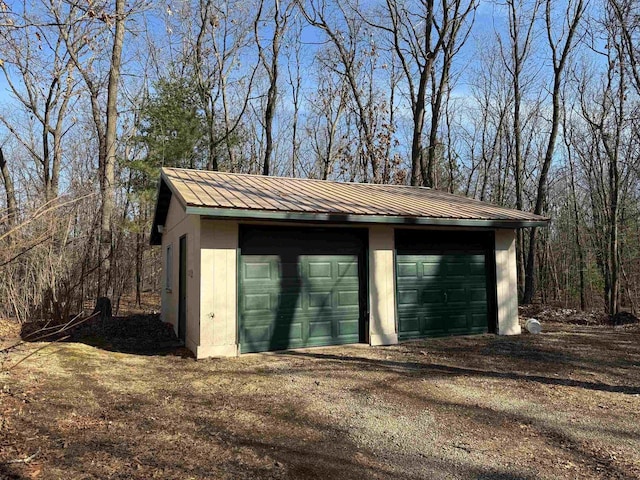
[(234, 195)]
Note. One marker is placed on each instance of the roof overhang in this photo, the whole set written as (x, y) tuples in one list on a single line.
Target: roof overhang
[(238, 214), (163, 200)]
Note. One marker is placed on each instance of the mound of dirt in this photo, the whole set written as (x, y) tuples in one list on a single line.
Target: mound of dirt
[(566, 315), (623, 318), (41, 330), (144, 334), (134, 334), (544, 314)]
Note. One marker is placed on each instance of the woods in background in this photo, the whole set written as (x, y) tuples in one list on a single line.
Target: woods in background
[(530, 104)]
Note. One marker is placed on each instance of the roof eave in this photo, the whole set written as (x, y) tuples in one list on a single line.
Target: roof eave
[(165, 192), (155, 238), (244, 214)]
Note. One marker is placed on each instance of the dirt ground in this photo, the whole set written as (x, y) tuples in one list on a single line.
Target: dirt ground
[(562, 404)]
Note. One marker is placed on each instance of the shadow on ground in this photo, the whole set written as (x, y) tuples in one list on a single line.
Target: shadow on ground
[(430, 370), (135, 334)]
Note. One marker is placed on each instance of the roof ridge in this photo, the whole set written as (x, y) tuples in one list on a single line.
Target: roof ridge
[(238, 174)]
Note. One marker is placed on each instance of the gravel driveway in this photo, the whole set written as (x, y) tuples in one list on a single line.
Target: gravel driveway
[(564, 404)]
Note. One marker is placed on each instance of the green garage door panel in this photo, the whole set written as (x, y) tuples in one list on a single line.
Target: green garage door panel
[(441, 292), (441, 295), (290, 299)]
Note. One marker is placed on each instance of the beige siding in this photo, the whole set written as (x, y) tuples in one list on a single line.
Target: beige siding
[(178, 224), (218, 283), (507, 283), (175, 220), (193, 285), (382, 326)]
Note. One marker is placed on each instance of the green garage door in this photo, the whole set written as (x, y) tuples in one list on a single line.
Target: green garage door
[(443, 283), (299, 288)]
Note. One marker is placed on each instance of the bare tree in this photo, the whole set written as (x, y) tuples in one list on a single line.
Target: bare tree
[(569, 146), (488, 115), (522, 18), (420, 38), (39, 73), (343, 28), (270, 59), (108, 177), (606, 114), (80, 27), (294, 79), (221, 36), (453, 28), (561, 47), (626, 15), (328, 105)]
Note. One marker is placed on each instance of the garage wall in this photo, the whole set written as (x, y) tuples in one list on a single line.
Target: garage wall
[(212, 268), (507, 283), (176, 225), (382, 290), (218, 286)]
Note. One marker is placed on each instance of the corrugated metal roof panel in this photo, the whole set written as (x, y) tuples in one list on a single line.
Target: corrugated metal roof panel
[(219, 190)]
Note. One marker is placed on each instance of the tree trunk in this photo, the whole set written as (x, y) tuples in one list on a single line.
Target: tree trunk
[(517, 140), (614, 194), (429, 174), (108, 175), (212, 161), (418, 125), (576, 232), (529, 281), (12, 206), (279, 25), (558, 69), (521, 25), (138, 269), (268, 116), (614, 306), (295, 91)]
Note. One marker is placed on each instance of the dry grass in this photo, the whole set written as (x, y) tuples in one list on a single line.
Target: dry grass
[(9, 330), (563, 404)]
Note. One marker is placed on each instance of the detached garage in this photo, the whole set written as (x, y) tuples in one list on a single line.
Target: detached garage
[(254, 263)]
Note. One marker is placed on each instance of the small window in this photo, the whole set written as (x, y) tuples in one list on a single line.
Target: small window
[(168, 268)]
